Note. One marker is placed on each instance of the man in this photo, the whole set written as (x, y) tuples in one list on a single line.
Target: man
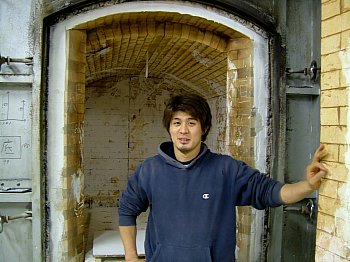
[(192, 193)]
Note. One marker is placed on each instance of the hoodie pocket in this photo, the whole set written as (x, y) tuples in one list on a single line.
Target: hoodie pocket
[(170, 253)]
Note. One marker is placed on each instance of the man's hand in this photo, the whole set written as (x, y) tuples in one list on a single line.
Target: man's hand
[(315, 171)]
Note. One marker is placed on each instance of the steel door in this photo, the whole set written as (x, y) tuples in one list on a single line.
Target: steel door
[(293, 227)]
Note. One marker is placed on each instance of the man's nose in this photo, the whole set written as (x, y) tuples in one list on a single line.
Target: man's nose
[(184, 128)]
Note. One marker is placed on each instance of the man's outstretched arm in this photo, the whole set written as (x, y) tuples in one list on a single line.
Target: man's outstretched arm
[(315, 171)]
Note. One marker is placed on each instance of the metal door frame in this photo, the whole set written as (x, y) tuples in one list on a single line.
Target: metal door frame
[(279, 96)]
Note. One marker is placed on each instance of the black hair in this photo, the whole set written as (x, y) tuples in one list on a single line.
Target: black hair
[(194, 105)]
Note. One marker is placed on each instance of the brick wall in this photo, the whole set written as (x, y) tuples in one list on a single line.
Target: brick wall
[(239, 142), (72, 242), (333, 226)]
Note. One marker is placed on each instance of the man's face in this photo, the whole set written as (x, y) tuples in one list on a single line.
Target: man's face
[(186, 133)]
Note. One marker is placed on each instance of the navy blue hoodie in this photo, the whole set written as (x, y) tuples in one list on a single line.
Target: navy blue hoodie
[(193, 207)]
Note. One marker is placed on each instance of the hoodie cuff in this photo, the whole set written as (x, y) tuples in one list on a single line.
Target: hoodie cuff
[(127, 220), (276, 193)]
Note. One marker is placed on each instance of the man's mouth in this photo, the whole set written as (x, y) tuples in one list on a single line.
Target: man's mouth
[(184, 140)]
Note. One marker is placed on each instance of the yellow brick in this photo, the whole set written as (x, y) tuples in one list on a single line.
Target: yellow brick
[(327, 205), (239, 63), (333, 135), (345, 39), (323, 255), (345, 21), (326, 223), (64, 245), (343, 116), (243, 243), (334, 98), (330, 62), (232, 55), (345, 78), (77, 36), (332, 153), (345, 6), (331, 26), (344, 58), (343, 149), (341, 227), (333, 244), (337, 171), (324, 239), (340, 248), (330, 9), (330, 44), (329, 116), (329, 188), (337, 258), (238, 43), (245, 53), (330, 79), (343, 193)]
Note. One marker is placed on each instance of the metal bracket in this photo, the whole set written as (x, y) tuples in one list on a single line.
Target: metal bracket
[(312, 71), (8, 60), (5, 219)]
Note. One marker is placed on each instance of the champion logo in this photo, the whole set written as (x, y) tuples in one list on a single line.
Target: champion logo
[(206, 196)]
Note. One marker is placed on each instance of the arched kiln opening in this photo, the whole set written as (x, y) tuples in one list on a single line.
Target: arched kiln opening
[(110, 72)]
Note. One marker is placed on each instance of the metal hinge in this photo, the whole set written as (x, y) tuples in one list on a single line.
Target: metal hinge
[(307, 209)]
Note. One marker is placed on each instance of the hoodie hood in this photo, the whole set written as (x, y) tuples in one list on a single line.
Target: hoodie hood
[(166, 150)]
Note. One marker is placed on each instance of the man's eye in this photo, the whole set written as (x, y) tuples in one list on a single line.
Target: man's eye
[(176, 123), (192, 123)]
